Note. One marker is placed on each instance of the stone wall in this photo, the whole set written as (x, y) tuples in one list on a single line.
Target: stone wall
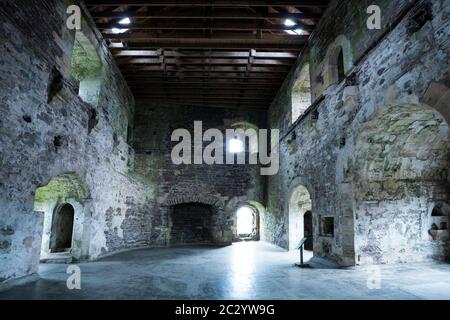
[(371, 151), (221, 185), (396, 69), (47, 131)]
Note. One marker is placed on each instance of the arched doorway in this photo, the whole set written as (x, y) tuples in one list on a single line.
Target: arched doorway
[(62, 228), (65, 204), (300, 218), (308, 230), (245, 222), (401, 175)]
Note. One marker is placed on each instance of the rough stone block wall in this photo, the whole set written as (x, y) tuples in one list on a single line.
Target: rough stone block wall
[(403, 66), (223, 185), (42, 137)]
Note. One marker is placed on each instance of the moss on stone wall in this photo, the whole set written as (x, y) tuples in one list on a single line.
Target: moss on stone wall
[(85, 60), (60, 188)]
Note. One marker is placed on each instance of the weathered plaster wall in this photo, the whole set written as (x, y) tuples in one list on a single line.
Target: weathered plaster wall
[(41, 138), (225, 185), (403, 65)]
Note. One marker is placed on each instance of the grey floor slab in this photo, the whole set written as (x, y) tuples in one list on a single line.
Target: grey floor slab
[(246, 270)]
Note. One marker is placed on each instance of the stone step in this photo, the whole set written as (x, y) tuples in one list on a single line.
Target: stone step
[(62, 259)]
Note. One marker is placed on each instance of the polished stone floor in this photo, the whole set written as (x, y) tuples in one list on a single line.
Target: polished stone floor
[(246, 270)]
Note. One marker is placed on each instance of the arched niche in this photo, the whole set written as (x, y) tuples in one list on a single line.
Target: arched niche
[(61, 234), (53, 199), (337, 64), (400, 170)]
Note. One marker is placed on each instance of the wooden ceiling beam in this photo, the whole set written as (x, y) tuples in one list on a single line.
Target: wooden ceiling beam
[(210, 3), (237, 88), (201, 62), (198, 37), (206, 69), (203, 54), (210, 91), (206, 96), (202, 75), (216, 25), (211, 53), (229, 14), (223, 84), (236, 101), (118, 46), (200, 103), (269, 42)]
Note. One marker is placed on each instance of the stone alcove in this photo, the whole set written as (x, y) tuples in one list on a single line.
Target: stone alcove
[(197, 218)]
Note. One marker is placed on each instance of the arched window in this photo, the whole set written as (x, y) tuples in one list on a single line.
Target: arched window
[(86, 69), (301, 93), (245, 139), (338, 64)]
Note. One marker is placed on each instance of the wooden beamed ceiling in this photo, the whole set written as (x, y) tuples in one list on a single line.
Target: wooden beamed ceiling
[(214, 53)]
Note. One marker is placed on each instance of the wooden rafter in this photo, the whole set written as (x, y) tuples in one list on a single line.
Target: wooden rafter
[(216, 53)]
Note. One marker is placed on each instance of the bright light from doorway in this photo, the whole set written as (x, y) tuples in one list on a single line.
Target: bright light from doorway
[(235, 146), (244, 221)]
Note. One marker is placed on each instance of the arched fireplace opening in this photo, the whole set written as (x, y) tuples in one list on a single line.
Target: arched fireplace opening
[(191, 223)]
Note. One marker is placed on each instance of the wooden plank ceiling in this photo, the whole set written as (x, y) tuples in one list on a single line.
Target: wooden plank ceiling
[(212, 53)]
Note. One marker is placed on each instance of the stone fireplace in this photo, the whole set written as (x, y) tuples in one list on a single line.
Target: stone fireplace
[(191, 223), (197, 218)]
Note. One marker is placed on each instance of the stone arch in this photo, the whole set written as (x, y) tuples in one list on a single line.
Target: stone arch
[(64, 189), (301, 97), (197, 198), (400, 171), (258, 211), (300, 181), (221, 227), (437, 96), (299, 203), (341, 48)]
